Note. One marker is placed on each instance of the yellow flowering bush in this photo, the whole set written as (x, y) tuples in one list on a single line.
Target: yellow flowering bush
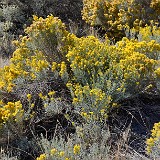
[(70, 153), (153, 143), (12, 111), (149, 33), (99, 73), (53, 39), (39, 54), (105, 73), (76, 149), (41, 157), (114, 15)]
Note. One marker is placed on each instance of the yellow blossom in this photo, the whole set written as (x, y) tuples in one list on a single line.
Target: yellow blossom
[(51, 93), (102, 111), (40, 95), (29, 97), (76, 149), (41, 157), (61, 153), (53, 151), (54, 66), (75, 100)]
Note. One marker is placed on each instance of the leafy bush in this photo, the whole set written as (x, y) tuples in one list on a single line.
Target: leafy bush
[(103, 74), (11, 111), (16, 15), (11, 14), (153, 141), (39, 58), (114, 15), (38, 55), (98, 73), (87, 143)]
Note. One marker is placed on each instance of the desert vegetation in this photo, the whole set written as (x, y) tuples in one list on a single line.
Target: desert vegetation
[(79, 80)]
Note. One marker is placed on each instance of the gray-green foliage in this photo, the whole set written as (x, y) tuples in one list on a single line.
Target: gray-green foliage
[(155, 153), (9, 16), (3, 156), (16, 15), (12, 13), (91, 138)]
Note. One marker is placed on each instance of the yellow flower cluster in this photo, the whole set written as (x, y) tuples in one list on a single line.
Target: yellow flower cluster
[(51, 93), (41, 157), (37, 63), (95, 116), (8, 74), (29, 62), (155, 136), (95, 96), (53, 38), (149, 33), (11, 111), (89, 53), (114, 16), (29, 96), (54, 66), (63, 69), (137, 59), (44, 47), (157, 73), (59, 154), (76, 149), (102, 70)]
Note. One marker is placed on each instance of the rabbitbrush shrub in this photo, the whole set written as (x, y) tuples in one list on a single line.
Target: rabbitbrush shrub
[(103, 74), (153, 142), (38, 54), (39, 57), (98, 74), (114, 16)]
